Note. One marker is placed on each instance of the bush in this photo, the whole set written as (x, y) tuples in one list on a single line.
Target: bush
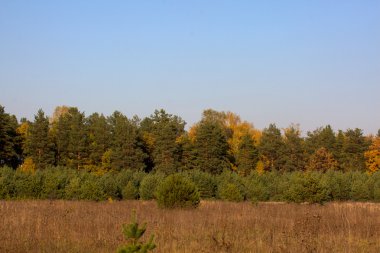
[(7, 183), (130, 191), (27, 185), (73, 188), (307, 187), (125, 176), (256, 188), (230, 192), (54, 181), (109, 186), (149, 185), (230, 177), (91, 189), (205, 182), (376, 186), (176, 191), (339, 184), (360, 190)]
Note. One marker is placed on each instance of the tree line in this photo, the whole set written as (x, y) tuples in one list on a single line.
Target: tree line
[(220, 141)]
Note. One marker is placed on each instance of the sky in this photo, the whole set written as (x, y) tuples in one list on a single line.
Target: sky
[(311, 63)]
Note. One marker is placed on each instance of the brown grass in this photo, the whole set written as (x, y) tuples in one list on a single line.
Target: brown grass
[(68, 226)]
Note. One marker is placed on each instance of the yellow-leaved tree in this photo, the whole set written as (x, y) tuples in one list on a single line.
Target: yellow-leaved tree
[(236, 132), (322, 160), (238, 129), (372, 156), (28, 166)]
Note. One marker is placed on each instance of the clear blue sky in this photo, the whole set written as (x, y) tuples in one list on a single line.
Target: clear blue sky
[(307, 62)]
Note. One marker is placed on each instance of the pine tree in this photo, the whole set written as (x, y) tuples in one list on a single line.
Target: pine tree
[(38, 145), (211, 147), (99, 138), (61, 136), (321, 137), (78, 143), (272, 147), (133, 233), (247, 155), (162, 131), (71, 139), (338, 149), (10, 152), (355, 144), (126, 147), (294, 153)]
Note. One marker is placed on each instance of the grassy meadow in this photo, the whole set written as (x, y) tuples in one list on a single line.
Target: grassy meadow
[(216, 226)]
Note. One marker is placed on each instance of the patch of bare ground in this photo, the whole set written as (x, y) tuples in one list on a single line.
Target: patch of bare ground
[(69, 226)]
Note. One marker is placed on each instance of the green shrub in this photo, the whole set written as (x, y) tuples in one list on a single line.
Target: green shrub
[(307, 187), (7, 183), (73, 188), (205, 182), (130, 191), (339, 184), (91, 189), (176, 191), (376, 186), (149, 185), (256, 188), (27, 185), (126, 176), (110, 187), (54, 181), (230, 177), (230, 192), (360, 188), (277, 184), (123, 177)]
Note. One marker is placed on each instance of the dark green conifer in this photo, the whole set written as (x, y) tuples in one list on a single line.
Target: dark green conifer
[(247, 155), (211, 148), (272, 147), (38, 143)]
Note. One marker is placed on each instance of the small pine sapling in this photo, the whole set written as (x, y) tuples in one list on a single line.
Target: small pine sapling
[(133, 233)]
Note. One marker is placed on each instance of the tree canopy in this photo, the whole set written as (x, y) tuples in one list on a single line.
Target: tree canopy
[(219, 141)]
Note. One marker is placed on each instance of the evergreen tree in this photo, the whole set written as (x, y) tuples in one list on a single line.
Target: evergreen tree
[(247, 155), (99, 138), (71, 139), (338, 149), (354, 146), (321, 137), (9, 152), (211, 147), (294, 153), (133, 233), (38, 144), (162, 131), (188, 157), (78, 143), (272, 147), (61, 136), (126, 148)]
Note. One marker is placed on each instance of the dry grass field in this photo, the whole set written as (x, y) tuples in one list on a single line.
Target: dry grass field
[(69, 226)]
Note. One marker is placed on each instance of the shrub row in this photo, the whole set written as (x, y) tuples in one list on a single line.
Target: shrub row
[(63, 183)]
